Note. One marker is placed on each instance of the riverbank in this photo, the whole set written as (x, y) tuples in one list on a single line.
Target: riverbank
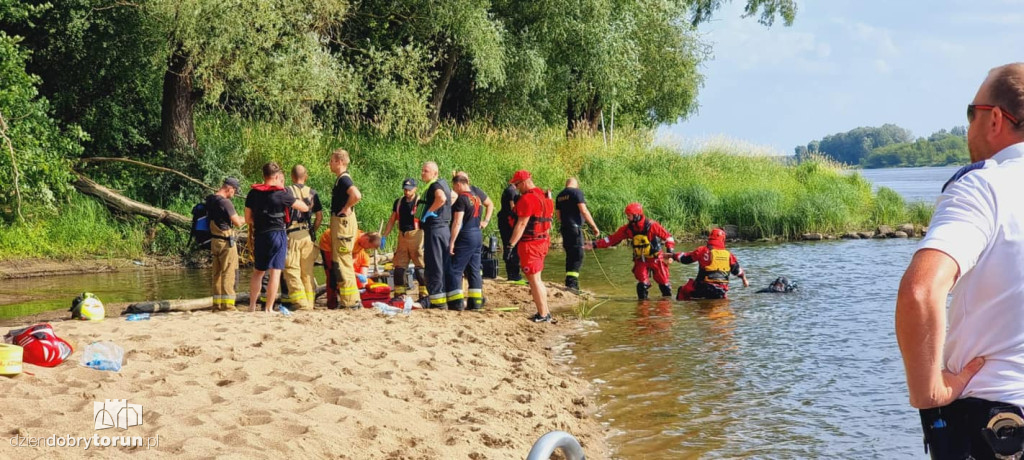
[(340, 384)]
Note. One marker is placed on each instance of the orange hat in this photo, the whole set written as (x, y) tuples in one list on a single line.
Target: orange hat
[(520, 176)]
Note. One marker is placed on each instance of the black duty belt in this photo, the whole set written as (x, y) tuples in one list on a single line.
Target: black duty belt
[(225, 238), (301, 227)]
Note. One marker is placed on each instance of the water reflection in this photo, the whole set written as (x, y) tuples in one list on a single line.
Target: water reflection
[(810, 374)]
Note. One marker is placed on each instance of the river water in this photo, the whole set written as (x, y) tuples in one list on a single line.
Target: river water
[(810, 374)]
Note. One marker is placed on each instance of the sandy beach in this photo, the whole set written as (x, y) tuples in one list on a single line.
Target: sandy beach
[(320, 384)]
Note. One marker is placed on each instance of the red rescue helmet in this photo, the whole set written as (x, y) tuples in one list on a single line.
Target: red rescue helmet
[(717, 238), (635, 209)]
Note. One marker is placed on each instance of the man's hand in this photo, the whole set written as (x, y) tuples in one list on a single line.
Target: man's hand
[(361, 277), (510, 252), (597, 233), (428, 215), (588, 246), (745, 282), (346, 210), (952, 385), (483, 224), (383, 241)]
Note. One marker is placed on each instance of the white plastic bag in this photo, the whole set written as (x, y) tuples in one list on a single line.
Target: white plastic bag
[(104, 356)]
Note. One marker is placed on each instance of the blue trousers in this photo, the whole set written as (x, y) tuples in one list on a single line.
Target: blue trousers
[(466, 261), (435, 262)]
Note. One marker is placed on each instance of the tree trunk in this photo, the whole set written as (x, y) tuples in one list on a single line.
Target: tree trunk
[(582, 118), (127, 205), (177, 130), (439, 92)]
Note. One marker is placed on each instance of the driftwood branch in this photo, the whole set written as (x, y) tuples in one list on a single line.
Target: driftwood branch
[(14, 163), (147, 165), (127, 205)]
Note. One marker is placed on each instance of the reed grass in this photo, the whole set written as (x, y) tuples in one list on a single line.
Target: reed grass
[(688, 191)]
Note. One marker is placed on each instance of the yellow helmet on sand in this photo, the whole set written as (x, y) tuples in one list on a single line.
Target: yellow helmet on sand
[(88, 307)]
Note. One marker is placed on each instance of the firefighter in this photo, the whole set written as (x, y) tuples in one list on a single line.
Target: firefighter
[(647, 238), (714, 264)]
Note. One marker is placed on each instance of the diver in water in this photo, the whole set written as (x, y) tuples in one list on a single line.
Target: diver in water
[(781, 284)]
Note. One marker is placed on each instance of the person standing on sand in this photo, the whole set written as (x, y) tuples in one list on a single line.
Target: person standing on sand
[(222, 216), (968, 381), (571, 210), (344, 197), (298, 272), (267, 208), (437, 214), (507, 220), (530, 237), (410, 239), (464, 248)]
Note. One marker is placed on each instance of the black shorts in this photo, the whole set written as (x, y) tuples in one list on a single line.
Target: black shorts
[(269, 250)]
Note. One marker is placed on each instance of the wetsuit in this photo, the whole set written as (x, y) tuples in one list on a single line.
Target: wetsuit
[(646, 238), (714, 267)]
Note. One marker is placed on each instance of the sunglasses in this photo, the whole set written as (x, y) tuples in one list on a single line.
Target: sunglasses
[(972, 108)]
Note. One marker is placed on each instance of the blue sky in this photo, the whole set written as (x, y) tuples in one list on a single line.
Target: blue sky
[(844, 64)]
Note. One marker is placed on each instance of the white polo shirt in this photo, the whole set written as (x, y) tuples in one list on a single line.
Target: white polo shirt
[(979, 222)]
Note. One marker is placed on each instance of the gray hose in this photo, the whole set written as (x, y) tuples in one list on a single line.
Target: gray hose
[(549, 443)]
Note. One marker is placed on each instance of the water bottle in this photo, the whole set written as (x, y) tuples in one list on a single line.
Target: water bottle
[(103, 365), (138, 317), (408, 306), (284, 311), (385, 308)]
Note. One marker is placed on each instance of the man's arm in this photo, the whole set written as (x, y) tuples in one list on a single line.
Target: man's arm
[(489, 206), (390, 224), (318, 219), (518, 230), (921, 330), (589, 218), (248, 216), (300, 205), (439, 200), (456, 228), (354, 197)]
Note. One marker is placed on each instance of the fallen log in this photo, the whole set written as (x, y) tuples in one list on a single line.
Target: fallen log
[(127, 205), (204, 303)]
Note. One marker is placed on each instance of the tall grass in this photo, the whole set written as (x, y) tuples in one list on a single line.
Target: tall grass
[(687, 191), (82, 227)]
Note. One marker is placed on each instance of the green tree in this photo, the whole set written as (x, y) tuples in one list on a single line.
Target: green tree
[(34, 150), (265, 57)]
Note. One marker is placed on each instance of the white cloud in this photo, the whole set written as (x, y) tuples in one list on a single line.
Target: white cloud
[(882, 67), (991, 19), (879, 38)]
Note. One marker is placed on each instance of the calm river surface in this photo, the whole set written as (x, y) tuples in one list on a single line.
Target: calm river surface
[(806, 375)]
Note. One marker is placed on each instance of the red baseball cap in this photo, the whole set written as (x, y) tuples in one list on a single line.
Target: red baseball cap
[(520, 176)]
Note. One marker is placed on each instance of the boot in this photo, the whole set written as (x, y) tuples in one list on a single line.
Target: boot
[(573, 283), (641, 290), (666, 290)]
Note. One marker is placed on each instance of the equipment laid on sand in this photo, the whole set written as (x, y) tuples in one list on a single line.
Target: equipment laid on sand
[(10, 359), (88, 307), (41, 346), (488, 259)]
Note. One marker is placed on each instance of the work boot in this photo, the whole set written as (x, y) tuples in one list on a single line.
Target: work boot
[(666, 290), (457, 305), (573, 283), (641, 290)]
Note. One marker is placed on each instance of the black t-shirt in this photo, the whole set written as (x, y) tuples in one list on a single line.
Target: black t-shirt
[(339, 195), (508, 200), (444, 213), (299, 216), (568, 205), (219, 211), (479, 192), (269, 208), (406, 213), (471, 206)]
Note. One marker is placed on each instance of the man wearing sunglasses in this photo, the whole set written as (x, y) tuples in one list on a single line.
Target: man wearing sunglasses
[(969, 381)]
